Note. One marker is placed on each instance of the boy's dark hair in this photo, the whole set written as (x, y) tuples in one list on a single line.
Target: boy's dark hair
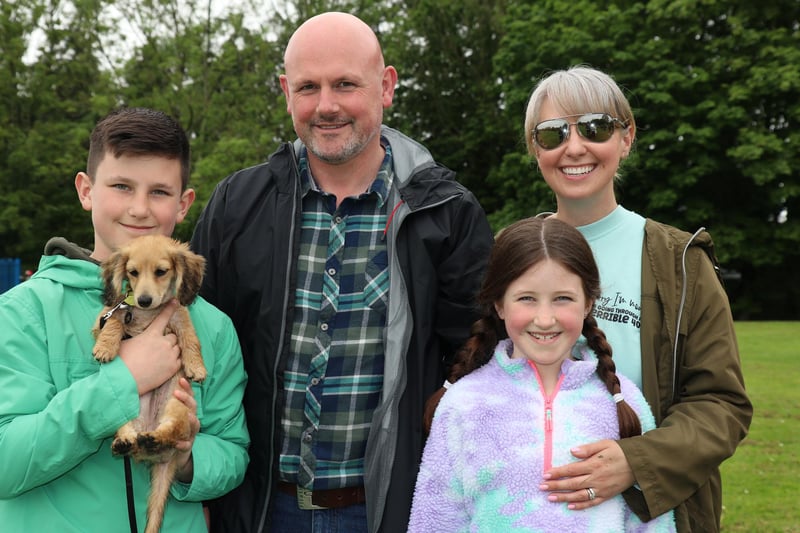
[(517, 248), (137, 131)]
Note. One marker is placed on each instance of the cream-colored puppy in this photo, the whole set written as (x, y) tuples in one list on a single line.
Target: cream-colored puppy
[(139, 279)]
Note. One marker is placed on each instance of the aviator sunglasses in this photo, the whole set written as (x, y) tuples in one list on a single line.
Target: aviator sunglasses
[(594, 127)]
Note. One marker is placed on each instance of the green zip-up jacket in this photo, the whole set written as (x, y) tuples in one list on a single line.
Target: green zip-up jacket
[(59, 410), (692, 379)]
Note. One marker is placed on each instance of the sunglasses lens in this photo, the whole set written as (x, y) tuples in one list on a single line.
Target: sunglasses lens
[(551, 133), (595, 127)]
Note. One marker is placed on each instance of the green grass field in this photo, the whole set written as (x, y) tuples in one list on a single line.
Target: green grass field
[(761, 482)]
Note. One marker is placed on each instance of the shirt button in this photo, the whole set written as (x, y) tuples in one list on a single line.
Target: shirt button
[(332, 271), (324, 327), (338, 220), (314, 381), (307, 438)]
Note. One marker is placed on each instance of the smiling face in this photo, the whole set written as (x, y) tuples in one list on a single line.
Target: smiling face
[(580, 172), (336, 87), (132, 196), (543, 310)]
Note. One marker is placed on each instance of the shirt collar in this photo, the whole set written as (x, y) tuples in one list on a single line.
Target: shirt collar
[(381, 186)]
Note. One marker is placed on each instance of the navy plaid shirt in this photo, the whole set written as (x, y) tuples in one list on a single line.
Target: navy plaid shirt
[(334, 375)]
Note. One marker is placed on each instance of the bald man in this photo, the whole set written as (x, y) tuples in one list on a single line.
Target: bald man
[(349, 263)]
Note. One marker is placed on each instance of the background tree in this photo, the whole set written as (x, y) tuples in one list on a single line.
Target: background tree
[(217, 76), (48, 108), (714, 85), (447, 96)]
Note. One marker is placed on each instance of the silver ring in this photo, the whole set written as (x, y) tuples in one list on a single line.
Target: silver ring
[(590, 492)]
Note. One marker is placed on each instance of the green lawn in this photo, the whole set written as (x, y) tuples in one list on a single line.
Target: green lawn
[(761, 482)]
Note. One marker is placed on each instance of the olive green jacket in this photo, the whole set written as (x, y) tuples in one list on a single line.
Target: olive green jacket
[(692, 378)]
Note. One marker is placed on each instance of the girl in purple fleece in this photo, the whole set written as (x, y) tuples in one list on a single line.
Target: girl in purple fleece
[(520, 405)]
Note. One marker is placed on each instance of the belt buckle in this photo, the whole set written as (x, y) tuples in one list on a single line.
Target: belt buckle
[(304, 500)]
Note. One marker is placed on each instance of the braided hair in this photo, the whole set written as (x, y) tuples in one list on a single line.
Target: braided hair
[(517, 248)]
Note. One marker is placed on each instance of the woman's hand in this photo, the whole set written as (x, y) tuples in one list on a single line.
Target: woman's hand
[(603, 468)]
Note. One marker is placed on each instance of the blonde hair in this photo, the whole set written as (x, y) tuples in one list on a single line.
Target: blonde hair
[(577, 90)]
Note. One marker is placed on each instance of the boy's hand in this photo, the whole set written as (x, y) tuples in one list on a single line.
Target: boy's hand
[(185, 471), (153, 357)]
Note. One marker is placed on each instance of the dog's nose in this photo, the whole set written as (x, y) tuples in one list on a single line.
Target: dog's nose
[(144, 301)]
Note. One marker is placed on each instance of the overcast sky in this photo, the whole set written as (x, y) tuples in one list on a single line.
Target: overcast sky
[(258, 12)]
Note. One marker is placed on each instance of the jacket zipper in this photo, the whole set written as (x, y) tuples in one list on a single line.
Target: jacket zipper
[(400, 212), (260, 527), (548, 416), (684, 282)]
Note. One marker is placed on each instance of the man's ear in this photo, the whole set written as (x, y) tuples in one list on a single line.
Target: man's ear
[(83, 185), (388, 84), (286, 92)]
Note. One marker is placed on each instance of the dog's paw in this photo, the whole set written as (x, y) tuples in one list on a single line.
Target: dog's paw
[(102, 355), (197, 374), (123, 446), (153, 445)]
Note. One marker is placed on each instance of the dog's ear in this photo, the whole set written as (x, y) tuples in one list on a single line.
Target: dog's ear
[(114, 274), (190, 268)]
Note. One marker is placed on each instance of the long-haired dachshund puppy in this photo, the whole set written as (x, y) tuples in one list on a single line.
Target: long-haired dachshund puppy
[(139, 279)]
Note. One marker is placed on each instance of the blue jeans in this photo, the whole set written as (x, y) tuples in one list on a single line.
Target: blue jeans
[(286, 517)]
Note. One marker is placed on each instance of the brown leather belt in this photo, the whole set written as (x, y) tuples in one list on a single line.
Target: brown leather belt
[(324, 499)]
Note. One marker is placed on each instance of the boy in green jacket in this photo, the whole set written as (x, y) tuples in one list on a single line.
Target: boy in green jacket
[(59, 408)]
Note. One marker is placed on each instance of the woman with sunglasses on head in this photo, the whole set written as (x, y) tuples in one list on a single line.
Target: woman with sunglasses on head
[(663, 308)]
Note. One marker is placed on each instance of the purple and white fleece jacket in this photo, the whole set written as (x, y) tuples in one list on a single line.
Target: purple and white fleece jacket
[(491, 441)]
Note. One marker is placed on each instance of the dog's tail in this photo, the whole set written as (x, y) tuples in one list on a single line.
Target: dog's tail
[(161, 476)]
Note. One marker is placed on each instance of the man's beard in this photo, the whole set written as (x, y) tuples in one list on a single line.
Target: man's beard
[(352, 147)]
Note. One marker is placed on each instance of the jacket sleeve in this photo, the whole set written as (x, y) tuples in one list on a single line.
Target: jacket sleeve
[(438, 503), (711, 412), (45, 431), (207, 240), (219, 451), (461, 272)]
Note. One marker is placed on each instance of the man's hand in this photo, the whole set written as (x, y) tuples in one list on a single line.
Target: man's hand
[(603, 468)]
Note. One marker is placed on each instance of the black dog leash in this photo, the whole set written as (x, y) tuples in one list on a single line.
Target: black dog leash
[(129, 493), (125, 305)]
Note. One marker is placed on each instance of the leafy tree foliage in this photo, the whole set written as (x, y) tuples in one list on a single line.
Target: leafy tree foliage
[(447, 96), (47, 111), (714, 85)]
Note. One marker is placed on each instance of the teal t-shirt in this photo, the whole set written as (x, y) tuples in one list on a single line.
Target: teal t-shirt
[(617, 241)]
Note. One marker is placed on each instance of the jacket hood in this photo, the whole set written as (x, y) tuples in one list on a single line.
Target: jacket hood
[(409, 158), (61, 246), (69, 264)]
